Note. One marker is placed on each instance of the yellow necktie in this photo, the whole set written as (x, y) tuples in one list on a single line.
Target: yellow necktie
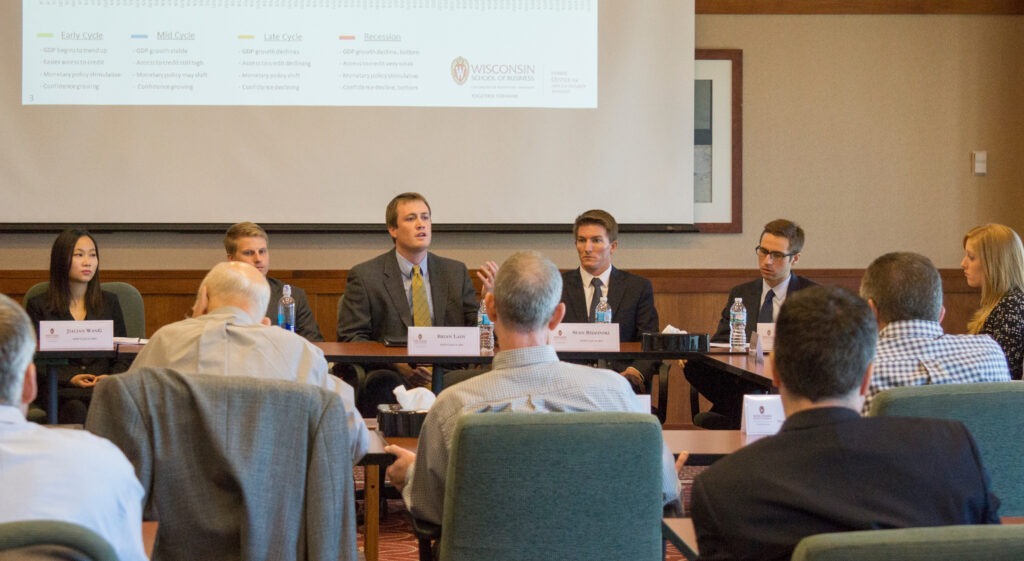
[(420, 308)]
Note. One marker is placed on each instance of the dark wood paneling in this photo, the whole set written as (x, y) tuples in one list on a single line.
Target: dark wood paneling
[(689, 299), (870, 7)]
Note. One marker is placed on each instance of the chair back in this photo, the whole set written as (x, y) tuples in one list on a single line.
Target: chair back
[(234, 468), (941, 543), (79, 541), (554, 486), (35, 290), (132, 306), (990, 410)]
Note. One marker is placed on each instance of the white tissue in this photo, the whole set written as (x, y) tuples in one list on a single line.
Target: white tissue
[(416, 399), (672, 329)]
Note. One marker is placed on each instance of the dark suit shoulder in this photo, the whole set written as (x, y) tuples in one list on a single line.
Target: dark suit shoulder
[(375, 263), (800, 283), (451, 264)]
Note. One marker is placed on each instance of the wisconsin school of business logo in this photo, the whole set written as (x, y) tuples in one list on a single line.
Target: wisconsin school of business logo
[(460, 70)]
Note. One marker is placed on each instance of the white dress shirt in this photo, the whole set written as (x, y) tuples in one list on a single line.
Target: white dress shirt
[(72, 476)]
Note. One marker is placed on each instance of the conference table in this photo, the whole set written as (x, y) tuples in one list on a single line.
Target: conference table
[(377, 354)]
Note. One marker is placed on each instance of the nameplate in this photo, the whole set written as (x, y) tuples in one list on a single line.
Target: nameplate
[(446, 341), (585, 337), (762, 414), (93, 335), (766, 335)]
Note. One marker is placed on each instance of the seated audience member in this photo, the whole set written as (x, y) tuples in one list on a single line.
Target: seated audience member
[(778, 250), (829, 469), (229, 335), (248, 242), (630, 296), (526, 377), (405, 287), (59, 474), (74, 293), (905, 292), (994, 261)]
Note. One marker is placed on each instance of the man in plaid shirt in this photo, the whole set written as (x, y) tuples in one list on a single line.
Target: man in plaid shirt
[(905, 292)]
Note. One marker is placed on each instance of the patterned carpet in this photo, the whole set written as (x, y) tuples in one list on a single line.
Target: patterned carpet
[(397, 542)]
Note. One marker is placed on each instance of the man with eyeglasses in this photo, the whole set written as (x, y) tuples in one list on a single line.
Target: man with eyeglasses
[(778, 249)]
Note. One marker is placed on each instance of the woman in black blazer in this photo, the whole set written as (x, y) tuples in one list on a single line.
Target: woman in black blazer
[(74, 294)]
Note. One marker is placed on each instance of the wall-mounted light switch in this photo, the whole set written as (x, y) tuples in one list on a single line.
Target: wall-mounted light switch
[(979, 161)]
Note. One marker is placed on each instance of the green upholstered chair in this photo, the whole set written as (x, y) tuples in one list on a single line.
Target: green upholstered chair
[(940, 543), (991, 412), (34, 539), (553, 486), (132, 306)]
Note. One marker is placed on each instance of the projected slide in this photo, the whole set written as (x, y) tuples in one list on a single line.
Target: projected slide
[(400, 53)]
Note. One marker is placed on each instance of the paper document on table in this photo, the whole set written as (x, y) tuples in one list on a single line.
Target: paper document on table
[(724, 345)]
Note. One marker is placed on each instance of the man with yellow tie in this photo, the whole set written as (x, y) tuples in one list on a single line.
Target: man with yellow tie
[(400, 289)]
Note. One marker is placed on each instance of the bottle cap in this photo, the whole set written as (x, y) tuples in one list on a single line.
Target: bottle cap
[(286, 290)]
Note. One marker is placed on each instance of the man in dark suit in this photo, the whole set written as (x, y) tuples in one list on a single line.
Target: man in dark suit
[(406, 287), (778, 249), (630, 297), (829, 469), (248, 242)]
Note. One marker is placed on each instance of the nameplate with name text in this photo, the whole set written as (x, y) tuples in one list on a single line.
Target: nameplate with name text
[(585, 337), (91, 335), (444, 341)]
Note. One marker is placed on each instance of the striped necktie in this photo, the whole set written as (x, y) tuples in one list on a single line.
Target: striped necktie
[(420, 307)]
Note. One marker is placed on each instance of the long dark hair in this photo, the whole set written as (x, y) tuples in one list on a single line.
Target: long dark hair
[(59, 293)]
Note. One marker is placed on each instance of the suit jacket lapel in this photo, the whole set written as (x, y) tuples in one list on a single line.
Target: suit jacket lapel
[(395, 287), (616, 290), (438, 288), (575, 299)]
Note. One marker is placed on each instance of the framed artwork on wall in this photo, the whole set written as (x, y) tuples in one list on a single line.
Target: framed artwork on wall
[(718, 141)]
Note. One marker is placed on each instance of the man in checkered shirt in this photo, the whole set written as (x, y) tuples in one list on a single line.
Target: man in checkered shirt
[(905, 292)]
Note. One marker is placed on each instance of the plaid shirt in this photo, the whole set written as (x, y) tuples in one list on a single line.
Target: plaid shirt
[(917, 352)]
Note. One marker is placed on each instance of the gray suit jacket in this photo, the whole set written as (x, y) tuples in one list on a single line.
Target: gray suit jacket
[(305, 323), (234, 468), (376, 307)]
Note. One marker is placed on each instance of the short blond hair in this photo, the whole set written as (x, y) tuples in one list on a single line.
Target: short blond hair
[(242, 230)]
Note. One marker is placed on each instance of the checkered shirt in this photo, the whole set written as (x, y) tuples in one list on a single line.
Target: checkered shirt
[(917, 352)]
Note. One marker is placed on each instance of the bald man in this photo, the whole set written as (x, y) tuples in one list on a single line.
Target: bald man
[(229, 334)]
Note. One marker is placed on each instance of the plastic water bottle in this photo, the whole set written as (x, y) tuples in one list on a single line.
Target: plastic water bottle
[(603, 312), (486, 331), (286, 309), (737, 326)]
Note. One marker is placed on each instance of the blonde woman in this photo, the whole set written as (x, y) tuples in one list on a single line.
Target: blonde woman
[(994, 261)]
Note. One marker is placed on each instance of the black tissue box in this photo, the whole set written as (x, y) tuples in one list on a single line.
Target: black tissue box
[(392, 421), (682, 342)]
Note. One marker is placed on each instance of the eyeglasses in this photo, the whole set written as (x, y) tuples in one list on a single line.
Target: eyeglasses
[(775, 255)]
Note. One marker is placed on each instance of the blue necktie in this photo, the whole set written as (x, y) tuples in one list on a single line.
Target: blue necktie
[(767, 308)]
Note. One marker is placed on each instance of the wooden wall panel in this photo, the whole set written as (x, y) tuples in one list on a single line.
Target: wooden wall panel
[(868, 7), (689, 299)]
